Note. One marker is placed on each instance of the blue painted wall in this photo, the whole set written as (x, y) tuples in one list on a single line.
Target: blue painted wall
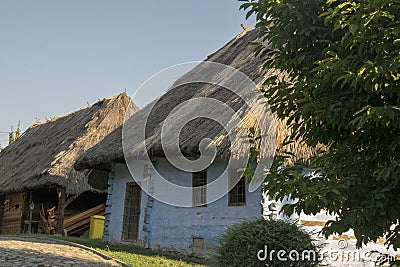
[(115, 203), (173, 228)]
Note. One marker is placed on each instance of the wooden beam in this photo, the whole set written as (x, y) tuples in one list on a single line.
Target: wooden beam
[(245, 30), (70, 200), (78, 217), (84, 227), (62, 195), (83, 222)]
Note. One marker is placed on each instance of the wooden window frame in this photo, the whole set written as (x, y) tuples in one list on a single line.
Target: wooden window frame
[(237, 196), (199, 189), (127, 230)]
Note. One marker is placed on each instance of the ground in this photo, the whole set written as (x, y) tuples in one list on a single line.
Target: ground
[(47, 252), (40, 250)]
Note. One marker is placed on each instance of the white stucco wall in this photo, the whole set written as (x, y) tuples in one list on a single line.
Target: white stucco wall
[(117, 199), (175, 227)]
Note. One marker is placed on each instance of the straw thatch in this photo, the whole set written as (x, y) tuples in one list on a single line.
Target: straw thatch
[(44, 155), (237, 54)]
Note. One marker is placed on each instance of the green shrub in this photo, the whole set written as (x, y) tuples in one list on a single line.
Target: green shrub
[(243, 244)]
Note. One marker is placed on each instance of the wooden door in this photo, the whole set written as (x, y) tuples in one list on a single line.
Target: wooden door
[(12, 207), (130, 228)]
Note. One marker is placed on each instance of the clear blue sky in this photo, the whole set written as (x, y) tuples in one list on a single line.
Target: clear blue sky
[(55, 56)]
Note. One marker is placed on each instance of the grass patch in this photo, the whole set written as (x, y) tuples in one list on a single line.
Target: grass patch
[(132, 255)]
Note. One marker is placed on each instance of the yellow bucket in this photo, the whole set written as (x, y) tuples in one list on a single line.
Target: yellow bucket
[(96, 226)]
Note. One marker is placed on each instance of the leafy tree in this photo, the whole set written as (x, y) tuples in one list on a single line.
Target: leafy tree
[(341, 90)]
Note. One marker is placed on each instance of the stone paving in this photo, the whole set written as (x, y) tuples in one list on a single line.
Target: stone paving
[(31, 252)]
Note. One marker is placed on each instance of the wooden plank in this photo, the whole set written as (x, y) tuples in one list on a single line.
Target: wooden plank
[(70, 213), (8, 229), (81, 223), (85, 214), (10, 223), (12, 210), (74, 226), (83, 228), (12, 219), (11, 231), (6, 225), (80, 218), (93, 211), (15, 196), (12, 214)]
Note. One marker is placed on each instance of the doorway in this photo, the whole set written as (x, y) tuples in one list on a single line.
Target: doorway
[(130, 227)]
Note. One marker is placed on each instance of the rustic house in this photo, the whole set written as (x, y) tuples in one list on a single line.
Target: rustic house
[(38, 168), (133, 215)]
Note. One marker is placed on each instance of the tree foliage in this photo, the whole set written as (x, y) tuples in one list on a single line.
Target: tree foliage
[(342, 90)]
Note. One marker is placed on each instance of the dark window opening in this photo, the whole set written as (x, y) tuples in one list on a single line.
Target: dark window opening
[(237, 195)]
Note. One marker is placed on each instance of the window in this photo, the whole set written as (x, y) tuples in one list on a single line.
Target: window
[(199, 189), (237, 196), (130, 227), (146, 172)]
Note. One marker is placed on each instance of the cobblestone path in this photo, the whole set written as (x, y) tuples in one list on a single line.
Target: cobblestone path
[(43, 252)]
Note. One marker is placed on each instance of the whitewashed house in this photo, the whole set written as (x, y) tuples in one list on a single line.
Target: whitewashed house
[(135, 216), (136, 211)]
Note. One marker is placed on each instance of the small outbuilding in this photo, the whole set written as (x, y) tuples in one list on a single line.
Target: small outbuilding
[(38, 169)]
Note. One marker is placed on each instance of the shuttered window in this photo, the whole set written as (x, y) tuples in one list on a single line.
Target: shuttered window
[(199, 189)]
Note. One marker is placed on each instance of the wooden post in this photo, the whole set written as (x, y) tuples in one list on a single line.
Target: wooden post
[(2, 199), (62, 195)]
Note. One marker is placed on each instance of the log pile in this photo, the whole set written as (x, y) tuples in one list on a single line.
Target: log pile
[(80, 222)]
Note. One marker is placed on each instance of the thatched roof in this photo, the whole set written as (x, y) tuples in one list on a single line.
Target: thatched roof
[(44, 155), (237, 54)]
